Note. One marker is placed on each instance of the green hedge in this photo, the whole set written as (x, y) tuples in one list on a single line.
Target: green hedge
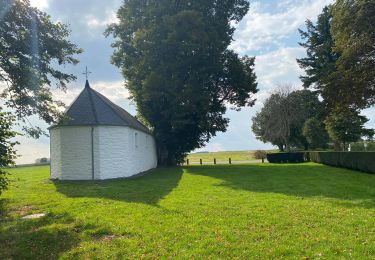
[(294, 157), (360, 161)]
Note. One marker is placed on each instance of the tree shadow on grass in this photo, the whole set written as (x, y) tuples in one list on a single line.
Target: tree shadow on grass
[(356, 189), (44, 238), (147, 189)]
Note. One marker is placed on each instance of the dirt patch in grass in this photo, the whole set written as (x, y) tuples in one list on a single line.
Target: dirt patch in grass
[(23, 211)]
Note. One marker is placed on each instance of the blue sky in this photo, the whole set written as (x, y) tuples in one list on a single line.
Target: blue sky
[(269, 31)]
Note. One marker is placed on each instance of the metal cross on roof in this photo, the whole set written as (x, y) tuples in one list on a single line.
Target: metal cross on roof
[(87, 73)]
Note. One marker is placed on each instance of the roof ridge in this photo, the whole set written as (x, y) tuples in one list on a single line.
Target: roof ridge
[(92, 104)]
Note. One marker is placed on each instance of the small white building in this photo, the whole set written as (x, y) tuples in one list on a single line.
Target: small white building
[(99, 140)]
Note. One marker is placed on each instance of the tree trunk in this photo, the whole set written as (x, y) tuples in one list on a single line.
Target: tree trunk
[(165, 158), (287, 147), (337, 146)]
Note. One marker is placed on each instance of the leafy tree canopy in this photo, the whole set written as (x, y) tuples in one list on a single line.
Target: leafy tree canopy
[(345, 126), (283, 116), (31, 48), (175, 59), (320, 64), (354, 34), (341, 54), (315, 133), (7, 152)]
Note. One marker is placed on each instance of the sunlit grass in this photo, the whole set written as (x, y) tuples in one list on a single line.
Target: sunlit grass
[(240, 211)]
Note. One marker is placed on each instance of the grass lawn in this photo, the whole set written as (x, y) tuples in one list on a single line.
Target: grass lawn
[(239, 211), (222, 156)]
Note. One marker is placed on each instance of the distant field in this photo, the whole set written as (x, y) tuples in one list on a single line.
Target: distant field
[(222, 156)]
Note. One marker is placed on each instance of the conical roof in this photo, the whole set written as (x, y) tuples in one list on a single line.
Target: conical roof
[(93, 109)]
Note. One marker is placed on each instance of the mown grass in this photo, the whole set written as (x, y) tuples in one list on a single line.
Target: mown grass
[(240, 211), (221, 156)]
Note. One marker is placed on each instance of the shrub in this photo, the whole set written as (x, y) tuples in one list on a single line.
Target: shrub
[(3, 181), (360, 161), (294, 157), (7, 151), (360, 147), (260, 154)]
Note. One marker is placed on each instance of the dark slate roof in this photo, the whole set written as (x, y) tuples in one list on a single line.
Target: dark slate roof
[(92, 109)]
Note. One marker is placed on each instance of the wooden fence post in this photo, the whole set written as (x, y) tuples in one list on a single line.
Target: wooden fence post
[(214, 160), (230, 160), (200, 161), (187, 161)]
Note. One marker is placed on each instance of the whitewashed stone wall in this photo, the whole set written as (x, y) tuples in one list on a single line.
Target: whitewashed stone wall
[(123, 152), (118, 152), (71, 153)]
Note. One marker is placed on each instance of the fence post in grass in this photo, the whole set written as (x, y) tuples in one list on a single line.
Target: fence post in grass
[(214, 160), (262, 160), (200, 161), (187, 161), (230, 160)]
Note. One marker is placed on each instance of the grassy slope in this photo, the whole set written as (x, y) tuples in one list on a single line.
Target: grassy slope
[(253, 211), (222, 156)]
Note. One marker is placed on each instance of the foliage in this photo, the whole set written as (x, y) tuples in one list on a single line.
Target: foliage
[(174, 56), (361, 161), (347, 126), (282, 118), (360, 146), (353, 31), (7, 152), (237, 211), (260, 154), (315, 133), (320, 64), (295, 157), (340, 54), (31, 46), (273, 123)]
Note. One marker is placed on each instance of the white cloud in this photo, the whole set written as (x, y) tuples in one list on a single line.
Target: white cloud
[(93, 21), (40, 4), (263, 30), (278, 67)]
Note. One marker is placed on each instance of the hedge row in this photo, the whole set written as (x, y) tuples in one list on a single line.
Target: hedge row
[(295, 157), (360, 161)]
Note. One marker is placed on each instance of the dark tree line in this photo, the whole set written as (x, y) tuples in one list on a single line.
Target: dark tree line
[(339, 68)]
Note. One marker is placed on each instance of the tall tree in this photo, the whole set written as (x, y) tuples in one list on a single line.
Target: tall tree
[(306, 105), (272, 123), (175, 59), (320, 64), (7, 151), (31, 49), (354, 34), (315, 133), (345, 126), (282, 118)]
